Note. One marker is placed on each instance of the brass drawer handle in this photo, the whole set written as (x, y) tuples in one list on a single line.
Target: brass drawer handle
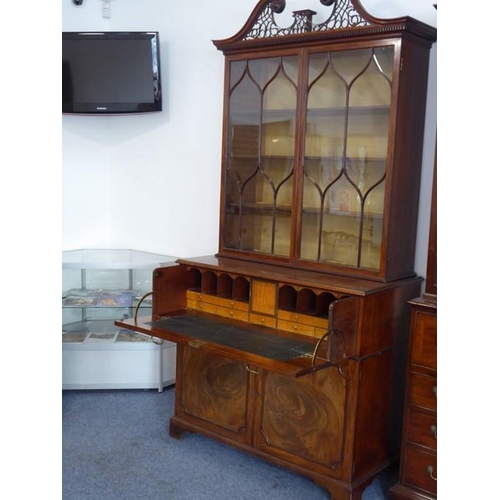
[(255, 372), (430, 472), (434, 431)]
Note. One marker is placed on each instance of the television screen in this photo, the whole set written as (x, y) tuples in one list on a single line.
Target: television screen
[(110, 72)]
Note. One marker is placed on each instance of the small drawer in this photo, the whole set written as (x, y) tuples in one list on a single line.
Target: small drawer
[(232, 313), (423, 391), (200, 305), (228, 303), (420, 469), (259, 319), (421, 428), (192, 295), (192, 304), (212, 304), (304, 319), (291, 326)]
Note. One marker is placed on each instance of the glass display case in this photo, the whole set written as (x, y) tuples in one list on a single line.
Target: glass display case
[(100, 286)]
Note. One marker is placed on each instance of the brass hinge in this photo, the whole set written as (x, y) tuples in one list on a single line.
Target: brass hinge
[(196, 343)]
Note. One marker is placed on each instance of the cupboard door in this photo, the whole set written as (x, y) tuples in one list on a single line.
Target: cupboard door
[(259, 160), (348, 110), (213, 393), (303, 420)]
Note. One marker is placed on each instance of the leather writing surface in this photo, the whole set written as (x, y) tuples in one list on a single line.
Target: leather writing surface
[(253, 339)]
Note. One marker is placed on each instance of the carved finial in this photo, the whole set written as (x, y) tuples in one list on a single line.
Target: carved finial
[(278, 6), (304, 19)]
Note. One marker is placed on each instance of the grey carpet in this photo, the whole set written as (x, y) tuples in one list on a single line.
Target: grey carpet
[(115, 445)]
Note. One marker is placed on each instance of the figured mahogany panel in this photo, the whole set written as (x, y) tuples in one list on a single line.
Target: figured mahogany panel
[(214, 389), (303, 420), (263, 297)]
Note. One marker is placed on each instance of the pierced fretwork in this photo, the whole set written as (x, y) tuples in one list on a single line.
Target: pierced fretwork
[(343, 15)]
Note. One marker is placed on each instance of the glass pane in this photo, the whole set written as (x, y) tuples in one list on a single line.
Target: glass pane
[(347, 130), (259, 160)]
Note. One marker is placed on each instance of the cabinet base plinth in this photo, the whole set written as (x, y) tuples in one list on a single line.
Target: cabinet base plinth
[(401, 492), (339, 490)]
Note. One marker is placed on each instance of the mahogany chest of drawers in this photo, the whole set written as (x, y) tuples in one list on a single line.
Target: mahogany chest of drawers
[(418, 470)]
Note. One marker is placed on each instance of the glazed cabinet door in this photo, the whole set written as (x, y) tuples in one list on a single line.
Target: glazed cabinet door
[(213, 393), (347, 124), (258, 166)]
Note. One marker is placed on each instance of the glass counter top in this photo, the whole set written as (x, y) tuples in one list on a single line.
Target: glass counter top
[(112, 259)]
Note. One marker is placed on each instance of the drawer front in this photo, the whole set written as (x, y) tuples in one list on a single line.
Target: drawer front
[(423, 391), (290, 326), (200, 305), (232, 313), (421, 428), (216, 305), (303, 319), (420, 469), (259, 319), (424, 346), (218, 301)]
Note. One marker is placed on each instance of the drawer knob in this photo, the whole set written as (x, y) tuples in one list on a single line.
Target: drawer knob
[(434, 431), (430, 472), (435, 391)]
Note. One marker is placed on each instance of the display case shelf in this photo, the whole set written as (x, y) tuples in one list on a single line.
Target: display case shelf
[(100, 286)]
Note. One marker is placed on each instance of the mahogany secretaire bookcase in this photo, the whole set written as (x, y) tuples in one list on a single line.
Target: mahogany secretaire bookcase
[(292, 339)]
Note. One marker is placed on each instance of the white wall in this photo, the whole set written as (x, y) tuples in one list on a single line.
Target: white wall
[(151, 182)]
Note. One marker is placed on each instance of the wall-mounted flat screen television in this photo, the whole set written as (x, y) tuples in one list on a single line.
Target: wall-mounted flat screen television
[(111, 72)]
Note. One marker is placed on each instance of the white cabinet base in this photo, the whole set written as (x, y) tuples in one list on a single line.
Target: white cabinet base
[(127, 365)]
